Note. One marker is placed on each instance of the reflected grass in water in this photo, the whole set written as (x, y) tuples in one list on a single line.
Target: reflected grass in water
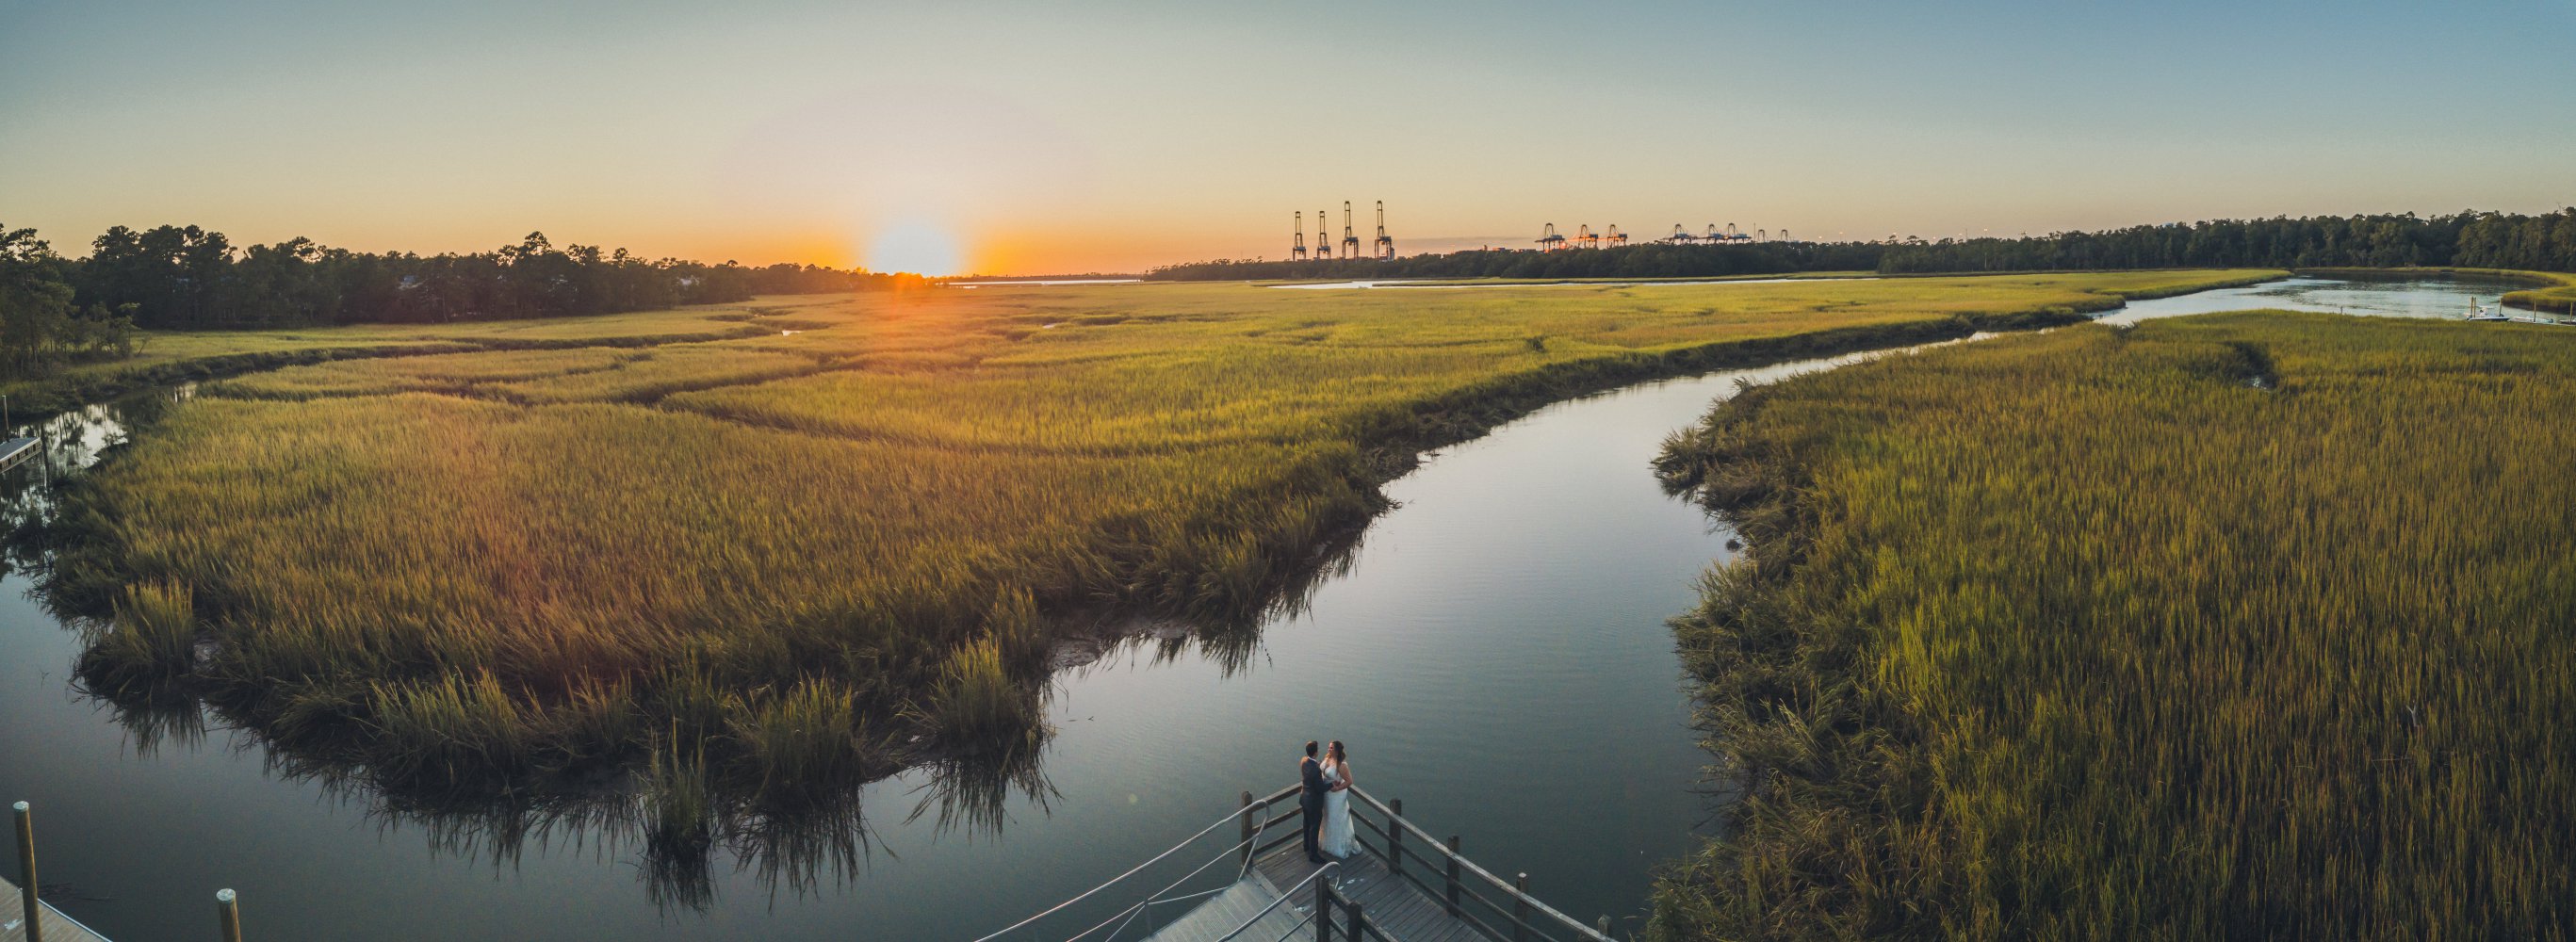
[(839, 574)]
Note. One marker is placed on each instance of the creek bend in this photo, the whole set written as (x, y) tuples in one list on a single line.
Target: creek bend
[(1494, 654)]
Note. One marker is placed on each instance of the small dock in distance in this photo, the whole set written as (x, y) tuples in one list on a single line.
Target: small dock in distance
[(16, 450)]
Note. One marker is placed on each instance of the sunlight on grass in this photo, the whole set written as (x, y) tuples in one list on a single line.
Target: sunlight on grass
[(870, 521), (2235, 625)]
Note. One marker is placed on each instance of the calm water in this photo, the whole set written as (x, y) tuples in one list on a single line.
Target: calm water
[(1495, 656), (2416, 298)]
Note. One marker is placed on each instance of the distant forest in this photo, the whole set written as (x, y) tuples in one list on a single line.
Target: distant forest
[(2465, 240), (2468, 239), (188, 278)]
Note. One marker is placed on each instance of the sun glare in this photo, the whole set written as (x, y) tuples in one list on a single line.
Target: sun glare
[(917, 246)]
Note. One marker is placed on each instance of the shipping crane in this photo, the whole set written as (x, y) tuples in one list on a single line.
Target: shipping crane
[(1298, 254), (1614, 237), (1549, 240), (1385, 245), (1350, 243), (1323, 238)]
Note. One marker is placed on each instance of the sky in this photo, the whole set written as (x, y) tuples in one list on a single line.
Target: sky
[(1018, 138)]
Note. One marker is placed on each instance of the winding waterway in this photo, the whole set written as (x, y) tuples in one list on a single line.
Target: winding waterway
[(1495, 655)]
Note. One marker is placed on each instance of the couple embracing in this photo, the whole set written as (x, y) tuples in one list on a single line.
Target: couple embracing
[(1325, 797)]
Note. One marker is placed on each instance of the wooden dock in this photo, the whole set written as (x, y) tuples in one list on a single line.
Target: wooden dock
[(57, 927), (16, 450), (1397, 909), (1403, 886)]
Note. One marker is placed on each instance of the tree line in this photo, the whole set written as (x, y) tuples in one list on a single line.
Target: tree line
[(2467, 240), (56, 310), (187, 278), (40, 326)]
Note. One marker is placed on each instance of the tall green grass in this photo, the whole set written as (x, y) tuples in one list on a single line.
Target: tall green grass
[(821, 555), (2090, 635)]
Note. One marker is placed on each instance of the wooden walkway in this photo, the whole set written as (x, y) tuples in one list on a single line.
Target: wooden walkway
[(1230, 910), (1401, 911), (58, 927), (1402, 886)]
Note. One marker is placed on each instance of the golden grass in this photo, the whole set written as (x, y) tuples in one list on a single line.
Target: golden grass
[(176, 356), (2233, 626), (679, 537)]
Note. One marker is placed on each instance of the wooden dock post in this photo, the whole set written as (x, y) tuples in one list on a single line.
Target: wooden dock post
[(1247, 827), (1323, 910), (1352, 929), (34, 912), (228, 914), (1520, 908), (1602, 925), (1453, 876), (1395, 836)]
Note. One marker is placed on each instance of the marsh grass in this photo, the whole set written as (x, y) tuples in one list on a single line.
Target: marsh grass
[(169, 357), (150, 637), (811, 556), (2083, 635)]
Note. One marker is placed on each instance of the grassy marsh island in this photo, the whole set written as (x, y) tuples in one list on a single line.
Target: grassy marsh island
[(2226, 626), (848, 547)]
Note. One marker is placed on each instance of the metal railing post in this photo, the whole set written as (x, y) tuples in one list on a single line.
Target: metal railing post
[(27, 873), (1395, 836), (1323, 911), (1247, 828), (1520, 908), (228, 914), (1353, 929), (1453, 876)]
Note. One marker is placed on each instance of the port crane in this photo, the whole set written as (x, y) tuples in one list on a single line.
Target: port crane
[(1298, 254), (1385, 244), (1350, 243)]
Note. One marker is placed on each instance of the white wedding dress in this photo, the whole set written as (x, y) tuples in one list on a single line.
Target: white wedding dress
[(1335, 836)]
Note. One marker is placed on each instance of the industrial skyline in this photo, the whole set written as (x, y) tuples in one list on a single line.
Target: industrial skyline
[(1024, 137)]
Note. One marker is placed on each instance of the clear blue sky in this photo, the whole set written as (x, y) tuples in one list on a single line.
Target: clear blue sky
[(1026, 136)]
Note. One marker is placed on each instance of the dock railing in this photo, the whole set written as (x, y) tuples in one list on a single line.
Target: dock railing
[(1501, 910), (1497, 909), (1142, 913)]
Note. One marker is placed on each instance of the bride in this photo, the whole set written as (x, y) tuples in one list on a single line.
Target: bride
[(1336, 838)]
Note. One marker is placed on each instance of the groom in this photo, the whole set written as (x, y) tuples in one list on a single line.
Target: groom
[(1310, 799)]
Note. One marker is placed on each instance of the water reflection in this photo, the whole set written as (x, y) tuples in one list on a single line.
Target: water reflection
[(682, 828), (1498, 660)]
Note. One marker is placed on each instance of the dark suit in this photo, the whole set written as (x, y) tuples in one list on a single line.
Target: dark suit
[(1310, 800)]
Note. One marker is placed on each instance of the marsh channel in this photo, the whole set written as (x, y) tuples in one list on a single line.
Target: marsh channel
[(1493, 650)]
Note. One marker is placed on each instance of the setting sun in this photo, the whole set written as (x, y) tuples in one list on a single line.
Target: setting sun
[(918, 246)]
